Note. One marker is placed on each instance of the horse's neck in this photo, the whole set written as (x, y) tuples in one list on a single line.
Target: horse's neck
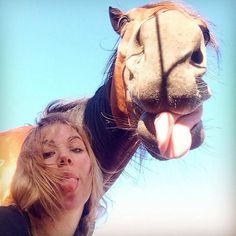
[(112, 146)]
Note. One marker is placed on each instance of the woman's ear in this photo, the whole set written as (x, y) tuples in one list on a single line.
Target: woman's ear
[(118, 19)]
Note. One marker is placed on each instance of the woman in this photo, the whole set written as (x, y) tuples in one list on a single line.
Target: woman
[(57, 184)]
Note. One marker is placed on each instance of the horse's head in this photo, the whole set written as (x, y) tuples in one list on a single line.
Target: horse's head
[(161, 59)]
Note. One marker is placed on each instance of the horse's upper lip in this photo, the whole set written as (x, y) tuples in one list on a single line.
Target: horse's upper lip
[(180, 112), (175, 112)]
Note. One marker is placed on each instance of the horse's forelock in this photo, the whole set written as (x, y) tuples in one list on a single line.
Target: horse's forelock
[(60, 106), (169, 5)]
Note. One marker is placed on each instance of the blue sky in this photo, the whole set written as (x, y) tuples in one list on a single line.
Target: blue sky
[(58, 49)]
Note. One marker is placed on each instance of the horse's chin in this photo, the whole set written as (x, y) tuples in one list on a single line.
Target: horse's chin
[(147, 133)]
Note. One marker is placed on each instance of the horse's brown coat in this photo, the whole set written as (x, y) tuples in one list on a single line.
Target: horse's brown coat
[(161, 60), (158, 67)]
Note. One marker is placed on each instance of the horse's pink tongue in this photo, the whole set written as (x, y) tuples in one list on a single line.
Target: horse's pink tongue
[(173, 132), (69, 184)]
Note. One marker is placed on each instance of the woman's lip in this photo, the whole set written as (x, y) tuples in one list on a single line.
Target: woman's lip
[(68, 175), (71, 177)]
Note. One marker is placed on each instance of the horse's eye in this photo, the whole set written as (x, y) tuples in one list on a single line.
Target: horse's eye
[(122, 21), (206, 34)]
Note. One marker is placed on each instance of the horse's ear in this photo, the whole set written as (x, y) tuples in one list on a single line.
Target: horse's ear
[(117, 18)]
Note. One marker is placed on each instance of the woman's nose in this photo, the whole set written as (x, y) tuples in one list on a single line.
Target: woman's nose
[(64, 160)]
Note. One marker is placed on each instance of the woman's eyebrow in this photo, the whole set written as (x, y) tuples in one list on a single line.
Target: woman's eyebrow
[(47, 142), (70, 139)]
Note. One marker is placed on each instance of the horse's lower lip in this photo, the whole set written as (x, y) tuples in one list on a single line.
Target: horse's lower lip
[(197, 131)]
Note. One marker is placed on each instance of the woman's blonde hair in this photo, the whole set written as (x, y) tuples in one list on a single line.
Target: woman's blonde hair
[(34, 187)]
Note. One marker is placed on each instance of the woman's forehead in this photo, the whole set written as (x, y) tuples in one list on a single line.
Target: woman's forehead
[(59, 131)]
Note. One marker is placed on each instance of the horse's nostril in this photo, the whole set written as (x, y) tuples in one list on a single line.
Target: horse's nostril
[(197, 56)]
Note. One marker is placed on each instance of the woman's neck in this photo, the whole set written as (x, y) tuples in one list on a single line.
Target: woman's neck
[(65, 224)]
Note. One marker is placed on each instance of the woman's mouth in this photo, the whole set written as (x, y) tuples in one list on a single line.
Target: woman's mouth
[(69, 183)]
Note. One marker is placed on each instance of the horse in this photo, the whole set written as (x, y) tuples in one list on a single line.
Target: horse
[(152, 96)]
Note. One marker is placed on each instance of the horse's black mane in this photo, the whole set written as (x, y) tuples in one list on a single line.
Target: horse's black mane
[(104, 133)]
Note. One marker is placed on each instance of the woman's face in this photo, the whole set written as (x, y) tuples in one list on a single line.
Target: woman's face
[(64, 149)]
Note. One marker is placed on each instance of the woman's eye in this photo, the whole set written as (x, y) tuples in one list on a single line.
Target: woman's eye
[(76, 150), (47, 155)]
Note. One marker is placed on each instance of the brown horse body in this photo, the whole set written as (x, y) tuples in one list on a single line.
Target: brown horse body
[(154, 81)]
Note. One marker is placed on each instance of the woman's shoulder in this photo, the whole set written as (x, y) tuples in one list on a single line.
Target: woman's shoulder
[(6, 211), (12, 222)]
